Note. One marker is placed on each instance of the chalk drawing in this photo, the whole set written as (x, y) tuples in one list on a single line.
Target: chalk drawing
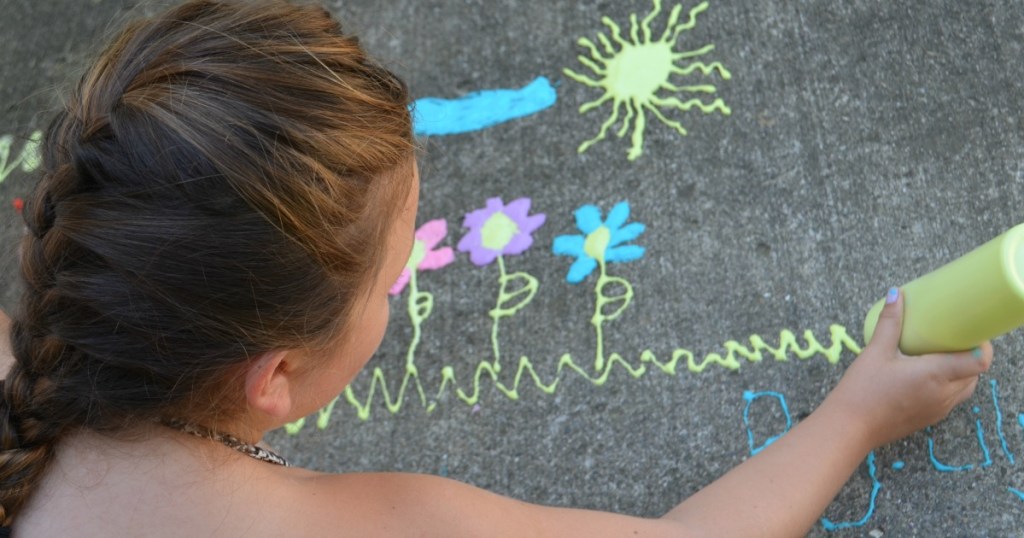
[(979, 433), (425, 255), (632, 76), (28, 159), (938, 465), (789, 346), (496, 231), (435, 116), (750, 397), (994, 387), (603, 240), (876, 486), (1017, 492), (600, 244), (758, 349)]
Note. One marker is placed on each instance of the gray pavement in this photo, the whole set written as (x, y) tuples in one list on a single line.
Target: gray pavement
[(868, 143)]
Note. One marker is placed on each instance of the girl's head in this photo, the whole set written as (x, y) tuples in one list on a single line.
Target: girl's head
[(220, 186)]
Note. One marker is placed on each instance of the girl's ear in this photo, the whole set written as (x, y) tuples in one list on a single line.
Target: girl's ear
[(268, 384)]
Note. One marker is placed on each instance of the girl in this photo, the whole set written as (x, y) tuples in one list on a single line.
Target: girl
[(226, 198)]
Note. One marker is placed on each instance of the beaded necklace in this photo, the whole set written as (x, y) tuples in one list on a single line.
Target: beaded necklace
[(227, 440)]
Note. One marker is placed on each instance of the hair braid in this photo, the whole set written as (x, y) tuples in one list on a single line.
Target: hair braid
[(32, 419)]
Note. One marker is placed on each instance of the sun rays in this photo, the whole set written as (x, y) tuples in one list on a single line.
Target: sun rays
[(635, 77)]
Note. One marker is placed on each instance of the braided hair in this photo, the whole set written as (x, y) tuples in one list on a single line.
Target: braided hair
[(218, 185)]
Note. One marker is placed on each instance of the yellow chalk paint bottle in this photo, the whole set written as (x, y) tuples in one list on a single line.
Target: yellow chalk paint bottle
[(972, 299)]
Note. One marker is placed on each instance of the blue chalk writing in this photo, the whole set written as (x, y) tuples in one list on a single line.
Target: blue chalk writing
[(478, 110), (939, 466), (980, 435), (983, 445), (876, 486), (899, 465), (999, 421), (750, 397), (981, 439)]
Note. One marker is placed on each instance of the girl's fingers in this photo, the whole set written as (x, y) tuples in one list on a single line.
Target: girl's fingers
[(966, 391), (890, 321), (965, 364)]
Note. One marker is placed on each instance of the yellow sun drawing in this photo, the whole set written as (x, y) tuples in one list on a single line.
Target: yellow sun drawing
[(632, 76)]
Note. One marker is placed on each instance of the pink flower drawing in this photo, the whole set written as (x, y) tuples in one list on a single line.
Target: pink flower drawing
[(424, 256)]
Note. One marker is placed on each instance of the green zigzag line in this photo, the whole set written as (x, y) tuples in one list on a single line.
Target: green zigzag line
[(735, 352)]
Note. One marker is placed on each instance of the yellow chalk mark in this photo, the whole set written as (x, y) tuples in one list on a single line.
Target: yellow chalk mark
[(640, 68), (28, 159), (731, 358)]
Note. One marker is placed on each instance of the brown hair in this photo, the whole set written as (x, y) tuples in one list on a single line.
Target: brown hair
[(218, 185)]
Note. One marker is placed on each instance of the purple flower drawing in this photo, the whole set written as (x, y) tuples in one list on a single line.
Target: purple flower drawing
[(499, 229)]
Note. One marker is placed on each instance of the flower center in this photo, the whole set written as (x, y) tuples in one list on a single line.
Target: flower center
[(498, 231), (597, 243)]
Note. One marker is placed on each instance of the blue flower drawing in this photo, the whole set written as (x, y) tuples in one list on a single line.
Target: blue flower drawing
[(602, 240)]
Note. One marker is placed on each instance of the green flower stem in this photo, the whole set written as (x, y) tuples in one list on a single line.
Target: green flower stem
[(599, 317), (520, 296), (420, 305), (495, 314)]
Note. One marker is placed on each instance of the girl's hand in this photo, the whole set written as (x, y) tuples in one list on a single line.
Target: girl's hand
[(891, 395)]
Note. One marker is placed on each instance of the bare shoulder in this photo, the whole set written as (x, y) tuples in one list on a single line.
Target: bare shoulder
[(92, 494), (400, 504)]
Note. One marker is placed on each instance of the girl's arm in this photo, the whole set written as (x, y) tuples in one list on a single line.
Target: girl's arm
[(781, 491)]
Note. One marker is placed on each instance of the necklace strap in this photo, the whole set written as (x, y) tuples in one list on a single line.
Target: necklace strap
[(230, 441)]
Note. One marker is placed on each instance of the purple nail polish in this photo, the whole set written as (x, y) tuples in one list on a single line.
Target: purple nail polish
[(890, 298)]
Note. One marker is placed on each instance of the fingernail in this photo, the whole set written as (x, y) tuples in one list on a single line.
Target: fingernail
[(976, 352), (894, 293)]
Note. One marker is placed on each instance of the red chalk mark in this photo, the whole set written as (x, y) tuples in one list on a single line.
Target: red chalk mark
[(19, 205)]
